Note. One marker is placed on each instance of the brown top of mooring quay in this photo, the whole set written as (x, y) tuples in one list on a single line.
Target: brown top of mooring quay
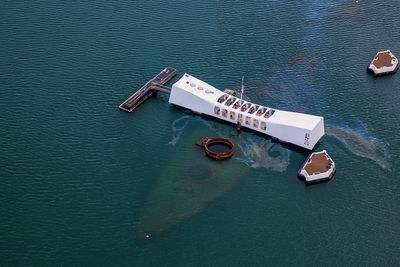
[(383, 59), (318, 163)]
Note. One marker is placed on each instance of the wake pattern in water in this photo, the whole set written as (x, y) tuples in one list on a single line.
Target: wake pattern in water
[(255, 151), (363, 145), (178, 126)]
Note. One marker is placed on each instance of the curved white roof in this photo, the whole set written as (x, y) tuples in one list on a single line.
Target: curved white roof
[(296, 128)]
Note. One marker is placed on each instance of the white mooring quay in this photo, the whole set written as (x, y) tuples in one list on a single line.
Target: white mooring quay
[(383, 63), (318, 167), (296, 128)]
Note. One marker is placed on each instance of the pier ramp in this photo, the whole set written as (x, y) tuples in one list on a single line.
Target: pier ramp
[(150, 88)]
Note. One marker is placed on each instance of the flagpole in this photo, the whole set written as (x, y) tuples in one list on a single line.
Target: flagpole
[(241, 93), (240, 108)]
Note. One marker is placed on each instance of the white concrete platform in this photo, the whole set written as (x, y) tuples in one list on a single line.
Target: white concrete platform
[(383, 63), (318, 167), (296, 128)]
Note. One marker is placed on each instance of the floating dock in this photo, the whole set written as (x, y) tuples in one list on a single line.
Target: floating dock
[(383, 63), (150, 88), (318, 167)]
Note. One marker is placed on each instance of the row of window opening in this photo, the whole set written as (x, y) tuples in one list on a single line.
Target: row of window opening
[(245, 106), (232, 116)]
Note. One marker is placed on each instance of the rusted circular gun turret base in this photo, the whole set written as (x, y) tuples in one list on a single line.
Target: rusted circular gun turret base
[(207, 142)]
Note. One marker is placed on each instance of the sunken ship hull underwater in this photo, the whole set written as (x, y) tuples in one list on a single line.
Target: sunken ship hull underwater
[(296, 128), (186, 186)]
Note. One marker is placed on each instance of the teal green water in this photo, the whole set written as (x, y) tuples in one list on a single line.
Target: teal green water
[(81, 181)]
